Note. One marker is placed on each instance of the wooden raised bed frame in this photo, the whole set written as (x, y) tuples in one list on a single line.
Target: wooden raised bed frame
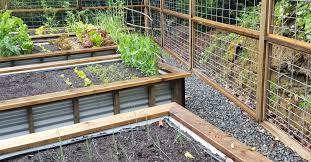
[(211, 134), (42, 112), (62, 55)]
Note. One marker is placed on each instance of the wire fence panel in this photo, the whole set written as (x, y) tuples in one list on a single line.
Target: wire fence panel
[(181, 6), (228, 59), (292, 19), (32, 4), (244, 13), (154, 3), (156, 26), (289, 99), (176, 36)]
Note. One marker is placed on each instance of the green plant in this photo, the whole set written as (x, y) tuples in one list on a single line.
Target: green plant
[(82, 75), (111, 73), (136, 50), (14, 37), (96, 38), (273, 93), (305, 103)]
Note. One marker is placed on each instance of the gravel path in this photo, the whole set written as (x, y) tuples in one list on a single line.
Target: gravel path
[(215, 108)]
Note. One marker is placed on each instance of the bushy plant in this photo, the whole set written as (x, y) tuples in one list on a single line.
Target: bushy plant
[(14, 37), (96, 38), (137, 51)]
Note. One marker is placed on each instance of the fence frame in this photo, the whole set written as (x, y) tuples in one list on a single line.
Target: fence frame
[(265, 37)]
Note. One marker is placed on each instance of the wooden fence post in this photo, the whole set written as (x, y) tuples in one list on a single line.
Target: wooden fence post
[(146, 11), (262, 61), (79, 5), (191, 32), (162, 22)]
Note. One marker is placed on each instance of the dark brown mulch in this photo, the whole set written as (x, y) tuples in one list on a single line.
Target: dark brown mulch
[(146, 143), (35, 83)]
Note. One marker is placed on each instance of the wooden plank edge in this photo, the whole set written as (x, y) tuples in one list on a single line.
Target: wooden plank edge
[(57, 53), (227, 27), (47, 36), (83, 128), (286, 140), (85, 91), (231, 97), (290, 43), (213, 135), (9, 70)]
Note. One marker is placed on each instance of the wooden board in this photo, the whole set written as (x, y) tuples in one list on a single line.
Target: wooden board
[(219, 139), (289, 142), (84, 128), (208, 132), (56, 53), (9, 70), (78, 92)]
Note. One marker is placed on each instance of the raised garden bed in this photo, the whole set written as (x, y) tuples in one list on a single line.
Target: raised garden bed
[(161, 133), (49, 98)]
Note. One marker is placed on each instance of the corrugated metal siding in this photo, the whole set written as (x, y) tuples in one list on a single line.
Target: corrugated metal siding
[(96, 106), (53, 115), (27, 62), (5, 64), (103, 53), (57, 58), (133, 99), (163, 93), (80, 56), (13, 123)]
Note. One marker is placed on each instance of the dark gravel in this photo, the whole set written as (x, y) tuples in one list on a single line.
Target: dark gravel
[(215, 108), (145, 143)]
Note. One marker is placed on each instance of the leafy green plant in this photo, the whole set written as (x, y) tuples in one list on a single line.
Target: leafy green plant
[(305, 103), (273, 93), (136, 50), (96, 38), (14, 37), (111, 73), (82, 75)]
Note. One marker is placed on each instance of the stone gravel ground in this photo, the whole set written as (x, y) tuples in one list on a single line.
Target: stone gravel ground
[(215, 108)]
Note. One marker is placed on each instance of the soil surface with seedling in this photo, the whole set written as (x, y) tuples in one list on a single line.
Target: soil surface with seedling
[(41, 82), (145, 143), (211, 105)]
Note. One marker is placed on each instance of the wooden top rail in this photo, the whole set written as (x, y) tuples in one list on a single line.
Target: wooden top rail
[(33, 10), (56, 53), (227, 27), (73, 93), (219, 139), (289, 42)]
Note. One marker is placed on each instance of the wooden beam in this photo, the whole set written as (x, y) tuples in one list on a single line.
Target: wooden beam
[(85, 91), (178, 91), (230, 96), (146, 20), (226, 27), (57, 53), (31, 126), (68, 132), (151, 96), (162, 22), (176, 14), (9, 70), (217, 138), (287, 140), (191, 32), (262, 58), (290, 43), (34, 10), (76, 110), (116, 102), (79, 5)]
